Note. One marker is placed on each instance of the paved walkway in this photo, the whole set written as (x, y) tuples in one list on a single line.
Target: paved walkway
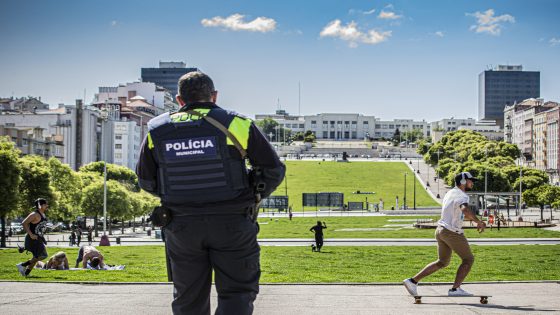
[(58, 298), (427, 176)]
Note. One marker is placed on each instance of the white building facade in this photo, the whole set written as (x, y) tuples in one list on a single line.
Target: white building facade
[(74, 129)]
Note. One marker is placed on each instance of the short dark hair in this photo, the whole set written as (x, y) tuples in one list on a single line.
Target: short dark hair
[(39, 202), (195, 87), (95, 262)]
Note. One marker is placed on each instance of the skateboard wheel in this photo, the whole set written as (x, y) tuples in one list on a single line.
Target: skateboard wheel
[(484, 300), (417, 301)]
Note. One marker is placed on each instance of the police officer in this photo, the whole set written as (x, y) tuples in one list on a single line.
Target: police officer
[(195, 160)]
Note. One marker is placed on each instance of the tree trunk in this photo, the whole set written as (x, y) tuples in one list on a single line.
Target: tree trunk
[(134, 225), (95, 226), (542, 213), (3, 236), (122, 226), (110, 229)]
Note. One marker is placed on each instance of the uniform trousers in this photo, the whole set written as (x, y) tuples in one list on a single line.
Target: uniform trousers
[(226, 244)]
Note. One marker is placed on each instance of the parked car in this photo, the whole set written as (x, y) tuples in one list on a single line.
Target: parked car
[(16, 227)]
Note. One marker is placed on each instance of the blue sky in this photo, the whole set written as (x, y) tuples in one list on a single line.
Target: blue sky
[(392, 59)]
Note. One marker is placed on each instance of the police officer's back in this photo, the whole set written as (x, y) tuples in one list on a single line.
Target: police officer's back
[(195, 160)]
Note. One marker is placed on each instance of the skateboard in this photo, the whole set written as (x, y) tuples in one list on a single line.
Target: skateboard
[(483, 298)]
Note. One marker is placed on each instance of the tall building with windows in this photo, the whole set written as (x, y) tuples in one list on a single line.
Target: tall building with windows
[(504, 86), (71, 133), (166, 75)]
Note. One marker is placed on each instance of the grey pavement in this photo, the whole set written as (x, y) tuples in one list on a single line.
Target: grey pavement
[(65, 298)]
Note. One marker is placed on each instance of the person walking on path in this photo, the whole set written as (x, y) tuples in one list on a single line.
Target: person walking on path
[(195, 161), (90, 235), (318, 229), (35, 225), (73, 238), (78, 236), (451, 238)]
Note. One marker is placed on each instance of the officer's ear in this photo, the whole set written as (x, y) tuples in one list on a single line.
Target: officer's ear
[(180, 100), (214, 96)]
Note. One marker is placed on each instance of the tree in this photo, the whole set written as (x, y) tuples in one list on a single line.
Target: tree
[(396, 135), (423, 146), (142, 204), (119, 173), (267, 125), (298, 136), (9, 182), (413, 135), (36, 183), (309, 136), (273, 130), (68, 185), (532, 178), (118, 203), (466, 150), (541, 196)]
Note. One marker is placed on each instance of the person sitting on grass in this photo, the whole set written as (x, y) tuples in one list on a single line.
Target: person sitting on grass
[(90, 255)]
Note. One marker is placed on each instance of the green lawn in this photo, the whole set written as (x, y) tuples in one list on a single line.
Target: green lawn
[(299, 228), (386, 179), (333, 265)]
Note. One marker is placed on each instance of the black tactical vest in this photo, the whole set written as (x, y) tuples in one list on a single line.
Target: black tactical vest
[(195, 165)]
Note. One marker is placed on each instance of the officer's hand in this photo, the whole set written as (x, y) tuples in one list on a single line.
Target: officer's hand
[(33, 236)]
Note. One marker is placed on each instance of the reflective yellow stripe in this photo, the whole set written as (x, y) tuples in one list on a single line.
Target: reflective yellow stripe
[(150, 142), (181, 116), (239, 127)]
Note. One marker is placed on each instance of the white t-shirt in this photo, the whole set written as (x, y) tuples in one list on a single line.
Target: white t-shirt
[(451, 214)]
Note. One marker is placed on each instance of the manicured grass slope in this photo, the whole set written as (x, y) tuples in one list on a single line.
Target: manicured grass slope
[(386, 179)]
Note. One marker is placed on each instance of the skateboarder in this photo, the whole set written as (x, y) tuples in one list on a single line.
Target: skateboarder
[(451, 238)]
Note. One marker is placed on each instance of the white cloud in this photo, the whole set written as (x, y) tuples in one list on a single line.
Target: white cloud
[(389, 6), (235, 22), (372, 11), (388, 15), (352, 34), (439, 33), (488, 23), (554, 41), (114, 23)]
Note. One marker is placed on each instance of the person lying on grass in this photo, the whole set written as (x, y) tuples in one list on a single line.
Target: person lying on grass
[(58, 261)]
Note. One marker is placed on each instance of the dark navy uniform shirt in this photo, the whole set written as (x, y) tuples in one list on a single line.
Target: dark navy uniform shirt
[(259, 152)]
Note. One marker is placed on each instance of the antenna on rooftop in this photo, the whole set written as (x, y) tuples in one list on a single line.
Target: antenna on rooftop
[(278, 104), (299, 98)]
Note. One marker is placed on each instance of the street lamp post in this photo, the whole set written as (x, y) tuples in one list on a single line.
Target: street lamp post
[(414, 193), (486, 178), (520, 182), (104, 116), (437, 174), (404, 200)]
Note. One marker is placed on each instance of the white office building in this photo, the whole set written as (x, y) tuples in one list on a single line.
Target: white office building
[(71, 132), (126, 143)]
